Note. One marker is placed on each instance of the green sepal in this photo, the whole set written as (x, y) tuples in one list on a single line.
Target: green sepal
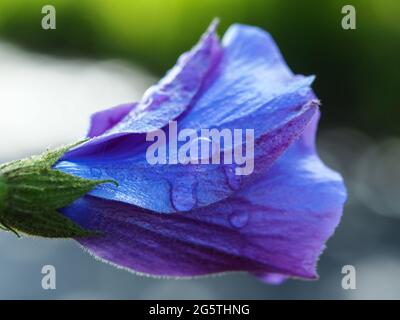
[(45, 160), (31, 191)]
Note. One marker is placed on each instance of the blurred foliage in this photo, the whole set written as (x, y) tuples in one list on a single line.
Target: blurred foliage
[(358, 71)]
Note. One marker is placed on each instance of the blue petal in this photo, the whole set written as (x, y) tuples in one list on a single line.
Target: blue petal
[(247, 85), (274, 228)]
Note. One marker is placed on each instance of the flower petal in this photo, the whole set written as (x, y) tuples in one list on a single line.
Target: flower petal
[(272, 278), (277, 225), (172, 95), (249, 88), (105, 120)]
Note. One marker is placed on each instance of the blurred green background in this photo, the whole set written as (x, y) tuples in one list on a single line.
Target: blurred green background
[(358, 71)]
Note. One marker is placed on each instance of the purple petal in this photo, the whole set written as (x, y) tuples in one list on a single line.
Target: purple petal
[(272, 278), (172, 95), (247, 85), (105, 120), (274, 228)]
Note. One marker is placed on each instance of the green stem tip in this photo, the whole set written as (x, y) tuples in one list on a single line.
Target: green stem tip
[(31, 192)]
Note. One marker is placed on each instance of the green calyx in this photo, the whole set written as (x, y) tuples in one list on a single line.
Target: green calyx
[(3, 192), (31, 191)]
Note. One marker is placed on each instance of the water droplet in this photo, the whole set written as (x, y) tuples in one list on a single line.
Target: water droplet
[(183, 196), (239, 219), (234, 181)]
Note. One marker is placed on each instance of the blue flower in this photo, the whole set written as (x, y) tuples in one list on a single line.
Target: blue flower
[(194, 219)]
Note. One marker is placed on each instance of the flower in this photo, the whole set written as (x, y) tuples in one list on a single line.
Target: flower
[(185, 220)]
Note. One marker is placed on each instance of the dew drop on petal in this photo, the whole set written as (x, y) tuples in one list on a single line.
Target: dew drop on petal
[(183, 197), (239, 219), (234, 181)]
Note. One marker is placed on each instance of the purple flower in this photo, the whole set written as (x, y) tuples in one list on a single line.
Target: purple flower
[(194, 219)]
